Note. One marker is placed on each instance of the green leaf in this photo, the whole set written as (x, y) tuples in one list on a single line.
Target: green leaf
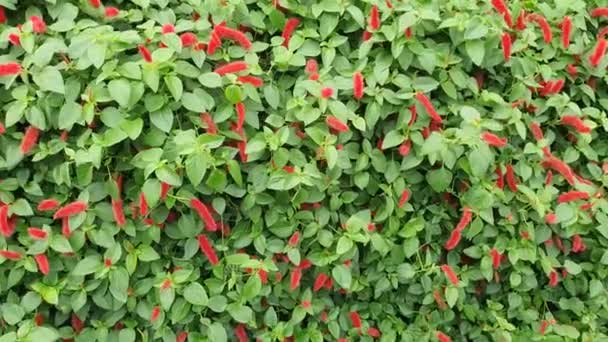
[(50, 79), (162, 119), (70, 113), (175, 86), (439, 179), (195, 294), (119, 284), (342, 276), (21, 207), (217, 333), (240, 313), (120, 90), (475, 50), (12, 313), (87, 265), (392, 139)]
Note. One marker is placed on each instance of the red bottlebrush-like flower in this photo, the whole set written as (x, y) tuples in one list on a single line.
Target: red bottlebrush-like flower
[(168, 28), (405, 195), (296, 276), (413, 115), (572, 71), (145, 53), (442, 337), (77, 323), (566, 31), (537, 132), (254, 81), (500, 182), (521, 21), (327, 92), (117, 210), (188, 39), (496, 258), (598, 53), (204, 213), (578, 245), (358, 85), (143, 205), (311, 66), (14, 39), (551, 218), (241, 333), (10, 255), (366, 36), (426, 103), (38, 25), (544, 26), (208, 120), (373, 332), (290, 27), (374, 18), (571, 196), (552, 162), (336, 124), (549, 178), (543, 326), (214, 43), (405, 147), (39, 319), (240, 112), (319, 282), (30, 139), (439, 300), (231, 68), (294, 239), (95, 3), (453, 241), (66, 231), (207, 249), (37, 233), (111, 12), (164, 190), (602, 33), (575, 122), (449, 273), (235, 35), (511, 180), (408, 33), (48, 204), (599, 12), (466, 218), (355, 319), (553, 279), (503, 10), (2, 15), (43, 263), (493, 140), (155, 314), (506, 46), (70, 209), (182, 337)]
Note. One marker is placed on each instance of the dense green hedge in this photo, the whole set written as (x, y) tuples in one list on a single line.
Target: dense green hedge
[(302, 170)]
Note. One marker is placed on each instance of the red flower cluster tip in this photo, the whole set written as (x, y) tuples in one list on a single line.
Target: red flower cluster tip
[(358, 85), (571, 196), (289, 29), (111, 12), (374, 18), (442, 337), (543, 24), (70, 209), (224, 32), (426, 103), (145, 53), (575, 122), (336, 124), (493, 140), (204, 213), (10, 69), (95, 3), (254, 81), (450, 274), (30, 139), (566, 27), (38, 24), (207, 249), (503, 10), (231, 68), (355, 319), (599, 52), (506, 46)]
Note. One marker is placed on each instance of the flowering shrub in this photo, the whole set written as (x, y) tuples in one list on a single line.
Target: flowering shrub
[(214, 170)]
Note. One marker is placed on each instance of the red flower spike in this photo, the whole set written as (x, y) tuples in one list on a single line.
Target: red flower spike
[(503, 10), (453, 240), (43, 263), (405, 147), (506, 46), (450, 275), (224, 32), (537, 132), (288, 30), (319, 282), (188, 39), (118, 212), (500, 182), (167, 28), (552, 162), (439, 300), (10, 255), (95, 3), (544, 26), (373, 332), (327, 92), (14, 39), (366, 36), (296, 276), (48, 204), (511, 180), (214, 43), (572, 196), (70, 209), (208, 120), (496, 258), (143, 205), (543, 326), (493, 140), (77, 323), (256, 82), (207, 249), (374, 18), (231, 68), (311, 66), (599, 12), (575, 122), (553, 279), (466, 218), (240, 112), (39, 319), (37, 233), (294, 239), (358, 85), (426, 103), (65, 227), (182, 337), (521, 21), (405, 195), (599, 52), (164, 190), (154, 314), (38, 24), (3, 19), (413, 115), (145, 53), (30, 139), (566, 27), (578, 245), (204, 213), (355, 319), (336, 124), (111, 12), (241, 333), (442, 337), (551, 218)]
